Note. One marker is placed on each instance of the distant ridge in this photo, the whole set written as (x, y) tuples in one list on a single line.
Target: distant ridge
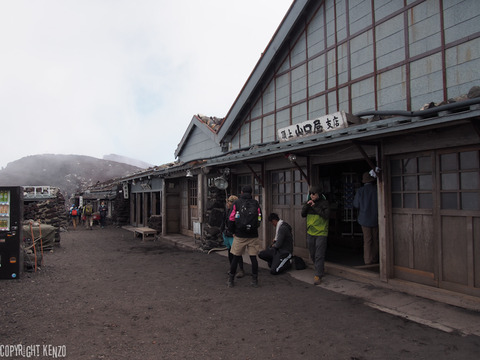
[(70, 173), (127, 160)]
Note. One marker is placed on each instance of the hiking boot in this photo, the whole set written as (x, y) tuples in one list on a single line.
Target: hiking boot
[(254, 282), (317, 280), (230, 282), (240, 274)]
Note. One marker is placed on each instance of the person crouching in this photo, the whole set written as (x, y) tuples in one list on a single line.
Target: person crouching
[(278, 255)]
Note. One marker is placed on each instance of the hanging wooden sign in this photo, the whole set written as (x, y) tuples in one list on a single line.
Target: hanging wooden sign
[(330, 122)]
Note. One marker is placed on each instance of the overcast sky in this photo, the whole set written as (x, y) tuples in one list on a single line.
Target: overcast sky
[(99, 77)]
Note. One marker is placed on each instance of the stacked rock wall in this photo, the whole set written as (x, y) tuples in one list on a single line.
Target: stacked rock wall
[(212, 236), (50, 212), (121, 209)]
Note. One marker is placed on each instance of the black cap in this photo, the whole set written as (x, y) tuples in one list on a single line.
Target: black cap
[(247, 189)]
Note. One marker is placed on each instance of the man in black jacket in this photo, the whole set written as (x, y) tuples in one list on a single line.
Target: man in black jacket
[(244, 226), (279, 254)]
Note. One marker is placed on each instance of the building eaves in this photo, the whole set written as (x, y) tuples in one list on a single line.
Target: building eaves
[(179, 169), (465, 111), (100, 195), (141, 174)]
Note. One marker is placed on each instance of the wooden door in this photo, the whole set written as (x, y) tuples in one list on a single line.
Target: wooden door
[(459, 220), (412, 184), (189, 205), (171, 215), (435, 221), (288, 190), (192, 202)]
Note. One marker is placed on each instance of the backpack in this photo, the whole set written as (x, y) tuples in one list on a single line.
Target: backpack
[(298, 263), (74, 212), (88, 210), (247, 216)]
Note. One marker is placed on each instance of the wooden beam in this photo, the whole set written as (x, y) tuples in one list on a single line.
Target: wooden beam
[(294, 162), (302, 172), (378, 155), (367, 158), (364, 154), (259, 179)]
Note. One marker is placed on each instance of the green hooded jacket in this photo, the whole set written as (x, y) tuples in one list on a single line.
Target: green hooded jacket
[(317, 216)]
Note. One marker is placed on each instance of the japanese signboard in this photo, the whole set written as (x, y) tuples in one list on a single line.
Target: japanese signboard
[(316, 126)]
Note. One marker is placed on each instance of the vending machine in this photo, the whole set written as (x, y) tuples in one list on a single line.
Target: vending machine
[(11, 237)]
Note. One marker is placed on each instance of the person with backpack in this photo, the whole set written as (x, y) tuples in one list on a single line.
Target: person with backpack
[(244, 221), (74, 215), (317, 212), (88, 210), (228, 236), (279, 254)]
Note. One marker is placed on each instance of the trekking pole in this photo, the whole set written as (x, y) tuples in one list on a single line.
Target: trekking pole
[(41, 240), (34, 247)]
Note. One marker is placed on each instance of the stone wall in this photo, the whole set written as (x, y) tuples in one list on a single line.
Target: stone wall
[(211, 236), (50, 212), (121, 209)]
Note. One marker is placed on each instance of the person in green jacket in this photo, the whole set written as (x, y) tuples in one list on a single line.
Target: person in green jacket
[(317, 212)]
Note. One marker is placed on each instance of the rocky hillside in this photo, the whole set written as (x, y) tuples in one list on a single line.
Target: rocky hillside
[(127, 160), (70, 173)]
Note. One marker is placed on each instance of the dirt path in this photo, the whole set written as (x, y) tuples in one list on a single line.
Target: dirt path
[(105, 295)]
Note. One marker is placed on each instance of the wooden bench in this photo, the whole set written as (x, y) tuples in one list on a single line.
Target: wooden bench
[(144, 231)]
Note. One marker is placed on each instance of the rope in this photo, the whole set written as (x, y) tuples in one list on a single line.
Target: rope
[(41, 240), (34, 247), (217, 249)]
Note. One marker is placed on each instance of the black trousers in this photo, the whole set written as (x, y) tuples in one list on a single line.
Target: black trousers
[(278, 260)]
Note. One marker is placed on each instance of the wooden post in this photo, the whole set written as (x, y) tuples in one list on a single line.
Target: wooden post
[(164, 198), (384, 245)]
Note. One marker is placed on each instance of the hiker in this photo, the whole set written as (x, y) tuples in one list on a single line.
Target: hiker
[(88, 211), (228, 236), (317, 213), (74, 215), (244, 221), (103, 214), (278, 255)]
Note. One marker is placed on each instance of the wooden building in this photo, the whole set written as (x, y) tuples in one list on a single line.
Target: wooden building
[(373, 65)]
